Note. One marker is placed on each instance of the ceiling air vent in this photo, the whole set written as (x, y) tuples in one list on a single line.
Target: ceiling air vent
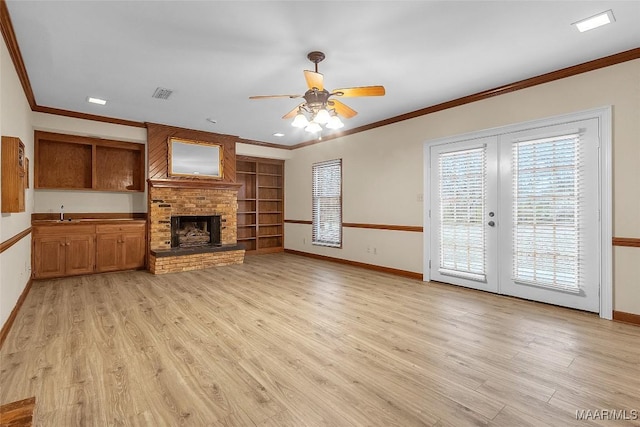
[(162, 93)]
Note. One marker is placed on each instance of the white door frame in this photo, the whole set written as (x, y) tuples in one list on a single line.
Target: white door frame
[(603, 115)]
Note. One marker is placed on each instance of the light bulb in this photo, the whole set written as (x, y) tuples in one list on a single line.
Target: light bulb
[(313, 127), (335, 123), (322, 117), (300, 121)]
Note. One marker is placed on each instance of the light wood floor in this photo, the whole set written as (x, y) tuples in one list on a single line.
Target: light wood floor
[(289, 341)]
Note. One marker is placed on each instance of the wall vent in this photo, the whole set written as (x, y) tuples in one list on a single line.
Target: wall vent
[(162, 93)]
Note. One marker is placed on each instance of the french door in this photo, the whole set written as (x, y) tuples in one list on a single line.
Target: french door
[(517, 214)]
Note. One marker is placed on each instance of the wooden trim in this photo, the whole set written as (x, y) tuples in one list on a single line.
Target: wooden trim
[(389, 270), (87, 116), (415, 228), (193, 183), (12, 317), (260, 160), (297, 221), (264, 144), (6, 27), (19, 413), (86, 140), (596, 64), (13, 240), (626, 241), (49, 216), (621, 316)]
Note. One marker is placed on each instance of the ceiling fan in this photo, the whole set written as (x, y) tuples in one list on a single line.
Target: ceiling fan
[(319, 103)]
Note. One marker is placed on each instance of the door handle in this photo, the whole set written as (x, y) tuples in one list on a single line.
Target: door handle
[(491, 224)]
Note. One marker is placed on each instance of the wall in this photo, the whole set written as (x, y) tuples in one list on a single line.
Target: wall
[(261, 151), (88, 201), (383, 171), (15, 115)]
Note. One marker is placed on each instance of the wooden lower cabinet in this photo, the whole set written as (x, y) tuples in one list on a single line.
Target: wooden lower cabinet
[(67, 249), (120, 247), (63, 251)]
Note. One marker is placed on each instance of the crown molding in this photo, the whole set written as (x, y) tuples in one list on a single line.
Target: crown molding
[(8, 33), (574, 70), (6, 27)]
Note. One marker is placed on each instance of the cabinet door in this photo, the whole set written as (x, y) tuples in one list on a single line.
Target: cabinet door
[(108, 252), (81, 251), (133, 250), (49, 256)]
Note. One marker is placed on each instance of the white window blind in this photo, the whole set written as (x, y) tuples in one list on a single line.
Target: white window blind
[(327, 203), (462, 195), (546, 212)]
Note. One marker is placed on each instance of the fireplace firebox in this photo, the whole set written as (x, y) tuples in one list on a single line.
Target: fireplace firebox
[(189, 231)]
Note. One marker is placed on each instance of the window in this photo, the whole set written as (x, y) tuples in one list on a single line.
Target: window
[(546, 211), (462, 230), (327, 203)]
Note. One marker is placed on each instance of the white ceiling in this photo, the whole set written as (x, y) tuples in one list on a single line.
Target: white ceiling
[(215, 54)]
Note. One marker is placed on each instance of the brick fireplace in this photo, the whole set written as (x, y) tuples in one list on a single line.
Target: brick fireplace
[(192, 199), (167, 201)]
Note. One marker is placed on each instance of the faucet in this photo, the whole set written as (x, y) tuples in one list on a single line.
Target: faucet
[(61, 212)]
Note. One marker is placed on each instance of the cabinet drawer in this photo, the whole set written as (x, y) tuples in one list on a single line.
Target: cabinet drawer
[(119, 228), (63, 230)]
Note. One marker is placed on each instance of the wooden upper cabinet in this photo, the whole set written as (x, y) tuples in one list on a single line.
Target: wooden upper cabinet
[(83, 163), (14, 171)]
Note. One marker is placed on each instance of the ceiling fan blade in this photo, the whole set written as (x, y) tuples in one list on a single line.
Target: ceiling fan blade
[(342, 109), (314, 79), (293, 112), (274, 96), (359, 91)]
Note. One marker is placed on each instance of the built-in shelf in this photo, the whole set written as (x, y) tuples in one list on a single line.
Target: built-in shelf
[(72, 162), (262, 195)]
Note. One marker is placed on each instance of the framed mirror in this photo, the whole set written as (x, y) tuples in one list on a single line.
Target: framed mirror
[(195, 159)]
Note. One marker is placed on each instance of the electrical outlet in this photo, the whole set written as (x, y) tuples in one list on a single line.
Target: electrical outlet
[(368, 249), (375, 251), (420, 197), (304, 240)]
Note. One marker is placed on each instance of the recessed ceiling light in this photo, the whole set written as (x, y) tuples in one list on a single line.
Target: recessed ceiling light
[(210, 120), (595, 21), (96, 101), (278, 134)]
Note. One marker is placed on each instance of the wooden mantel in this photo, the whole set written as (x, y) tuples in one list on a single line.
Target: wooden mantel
[(193, 183)]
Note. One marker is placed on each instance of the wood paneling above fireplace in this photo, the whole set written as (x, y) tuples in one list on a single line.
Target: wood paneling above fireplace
[(157, 140)]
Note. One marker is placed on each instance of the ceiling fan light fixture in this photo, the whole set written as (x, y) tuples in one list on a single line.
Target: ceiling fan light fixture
[(313, 127), (322, 116), (334, 123), (300, 121)]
